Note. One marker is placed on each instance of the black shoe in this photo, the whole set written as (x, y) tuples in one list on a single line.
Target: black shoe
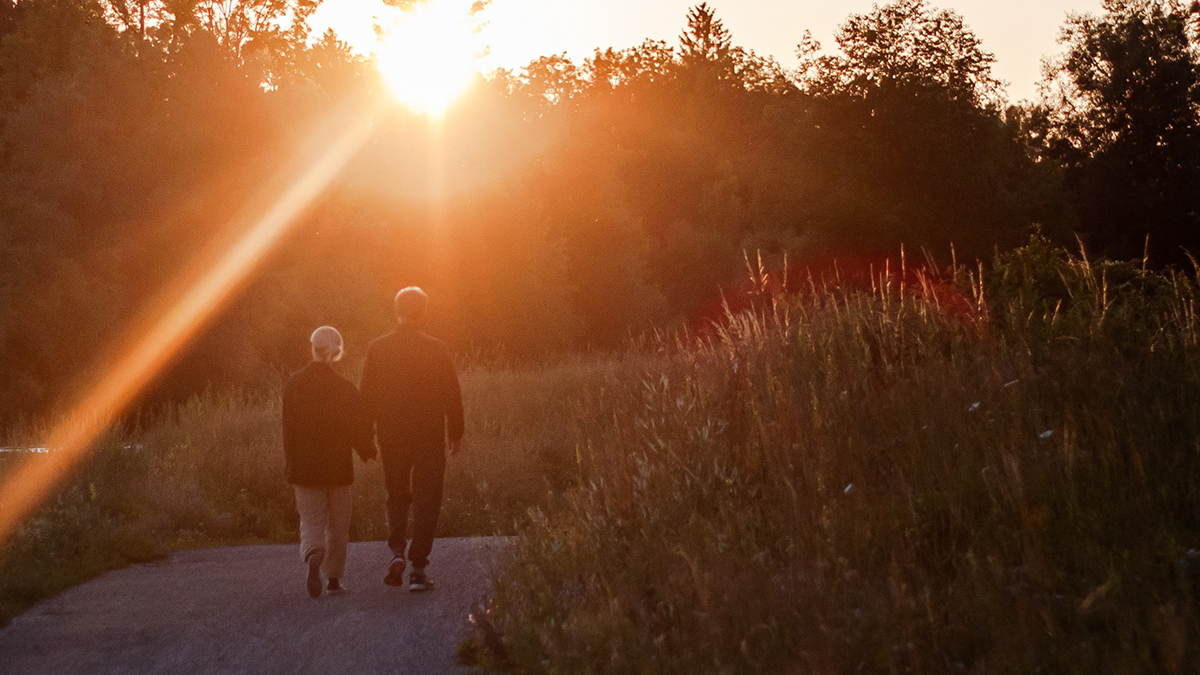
[(314, 574), (417, 581), (395, 574), (335, 586)]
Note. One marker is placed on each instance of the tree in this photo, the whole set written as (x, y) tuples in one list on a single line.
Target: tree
[(705, 41), (646, 64), (269, 35), (552, 80), (904, 45), (1126, 124), (140, 18), (707, 55), (906, 115)]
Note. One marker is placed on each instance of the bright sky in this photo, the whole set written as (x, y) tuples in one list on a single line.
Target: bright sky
[(1018, 32)]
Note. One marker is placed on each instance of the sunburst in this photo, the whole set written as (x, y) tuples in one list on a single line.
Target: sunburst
[(430, 56)]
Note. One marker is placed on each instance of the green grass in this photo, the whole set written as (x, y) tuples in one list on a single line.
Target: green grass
[(903, 478)]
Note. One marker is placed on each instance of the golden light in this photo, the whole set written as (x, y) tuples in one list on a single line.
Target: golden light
[(195, 296), (430, 56)]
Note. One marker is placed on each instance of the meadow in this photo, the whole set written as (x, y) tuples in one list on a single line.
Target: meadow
[(991, 470), (986, 469)]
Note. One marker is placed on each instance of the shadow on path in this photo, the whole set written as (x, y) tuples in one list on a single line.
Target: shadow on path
[(244, 610)]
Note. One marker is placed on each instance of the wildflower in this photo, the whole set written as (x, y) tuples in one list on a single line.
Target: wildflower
[(974, 407), (1009, 384), (849, 489), (1046, 434)]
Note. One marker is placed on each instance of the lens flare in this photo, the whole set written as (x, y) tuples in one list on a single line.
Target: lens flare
[(197, 296), (430, 56)]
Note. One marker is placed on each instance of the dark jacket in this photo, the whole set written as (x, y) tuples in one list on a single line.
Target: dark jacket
[(411, 391), (323, 419)]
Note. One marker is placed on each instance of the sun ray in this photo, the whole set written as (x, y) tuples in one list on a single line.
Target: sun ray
[(429, 56), (180, 314)]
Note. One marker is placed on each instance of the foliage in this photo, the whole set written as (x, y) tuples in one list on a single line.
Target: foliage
[(906, 119), (903, 479), (904, 45), (1126, 124), (562, 207)]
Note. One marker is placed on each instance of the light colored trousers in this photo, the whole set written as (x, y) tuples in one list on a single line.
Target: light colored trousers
[(324, 526)]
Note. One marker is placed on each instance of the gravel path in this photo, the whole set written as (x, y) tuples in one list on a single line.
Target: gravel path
[(245, 610)]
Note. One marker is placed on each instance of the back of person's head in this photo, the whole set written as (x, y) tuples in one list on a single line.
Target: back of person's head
[(327, 345), (410, 304)]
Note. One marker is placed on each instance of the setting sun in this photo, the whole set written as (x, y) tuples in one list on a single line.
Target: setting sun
[(429, 57)]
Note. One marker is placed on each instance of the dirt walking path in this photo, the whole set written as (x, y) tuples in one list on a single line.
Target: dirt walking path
[(245, 610)]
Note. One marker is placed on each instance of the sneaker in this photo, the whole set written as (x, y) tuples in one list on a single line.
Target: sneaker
[(395, 574), (335, 586), (314, 574), (417, 581)]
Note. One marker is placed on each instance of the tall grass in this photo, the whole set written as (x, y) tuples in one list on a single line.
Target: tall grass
[(997, 471)]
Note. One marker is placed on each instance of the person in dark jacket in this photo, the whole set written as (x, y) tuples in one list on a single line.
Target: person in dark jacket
[(412, 398), (323, 420)]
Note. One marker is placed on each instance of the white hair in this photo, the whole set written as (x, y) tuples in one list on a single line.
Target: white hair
[(327, 344)]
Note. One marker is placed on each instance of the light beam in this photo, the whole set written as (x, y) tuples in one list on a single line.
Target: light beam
[(180, 313)]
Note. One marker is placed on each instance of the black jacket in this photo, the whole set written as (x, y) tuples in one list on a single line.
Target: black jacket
[(411, 391), (323, 419)]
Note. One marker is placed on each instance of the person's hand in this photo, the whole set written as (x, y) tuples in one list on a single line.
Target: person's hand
[(455, 447)]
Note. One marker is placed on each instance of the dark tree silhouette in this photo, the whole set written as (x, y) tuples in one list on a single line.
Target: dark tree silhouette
[(906, 45), (705, 40), (1125, 123), (906, 114)]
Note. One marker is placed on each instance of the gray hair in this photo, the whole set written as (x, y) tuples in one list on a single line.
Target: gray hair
[(327, 344)]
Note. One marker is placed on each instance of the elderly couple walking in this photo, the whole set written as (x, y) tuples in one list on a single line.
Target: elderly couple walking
[(410, 401)]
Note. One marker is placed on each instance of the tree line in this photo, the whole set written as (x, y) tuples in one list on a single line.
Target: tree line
[(562, 206)]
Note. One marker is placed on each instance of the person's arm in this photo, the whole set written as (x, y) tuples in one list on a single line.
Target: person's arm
[(360, 425), (369, 394), (453, 404), (289, 427)]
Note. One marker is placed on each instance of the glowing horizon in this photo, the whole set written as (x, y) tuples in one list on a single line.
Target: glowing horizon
[(514, 32)]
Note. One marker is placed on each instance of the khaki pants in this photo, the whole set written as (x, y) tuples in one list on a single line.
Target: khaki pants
[(324, 526)]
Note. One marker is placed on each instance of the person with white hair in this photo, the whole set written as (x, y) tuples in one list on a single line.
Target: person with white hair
[(323, 421), (411, 393)]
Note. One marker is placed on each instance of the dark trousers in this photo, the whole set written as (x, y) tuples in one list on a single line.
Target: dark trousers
[(413, 475)]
